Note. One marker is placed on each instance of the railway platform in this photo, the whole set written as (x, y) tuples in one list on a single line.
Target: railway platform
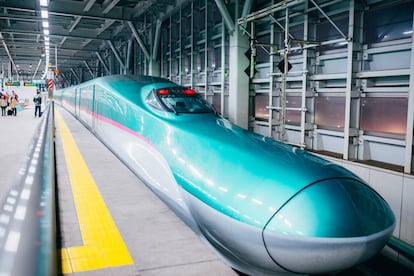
[(108, 221)]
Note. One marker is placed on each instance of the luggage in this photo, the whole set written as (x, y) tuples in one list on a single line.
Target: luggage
[(9, 112)]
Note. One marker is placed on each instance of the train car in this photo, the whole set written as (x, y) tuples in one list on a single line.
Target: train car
[(265, 207)]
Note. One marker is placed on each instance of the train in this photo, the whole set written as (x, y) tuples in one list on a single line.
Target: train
[(265, 207)]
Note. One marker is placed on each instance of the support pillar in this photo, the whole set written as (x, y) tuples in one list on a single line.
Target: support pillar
[(154, 68), (409, 149), (238, 80), (351, 122)]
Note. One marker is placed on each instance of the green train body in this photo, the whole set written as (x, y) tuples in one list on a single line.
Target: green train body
[(265, 207)]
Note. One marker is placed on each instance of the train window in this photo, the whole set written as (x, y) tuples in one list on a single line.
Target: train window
[(180, 100), (152, 101)]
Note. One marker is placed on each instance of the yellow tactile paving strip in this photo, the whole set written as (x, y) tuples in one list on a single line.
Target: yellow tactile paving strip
[(103, 245)]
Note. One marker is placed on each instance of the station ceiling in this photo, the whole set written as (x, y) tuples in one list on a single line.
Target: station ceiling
[(72, 32), (77, 30)]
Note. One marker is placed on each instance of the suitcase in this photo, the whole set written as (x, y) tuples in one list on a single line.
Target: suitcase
[(9, 112)]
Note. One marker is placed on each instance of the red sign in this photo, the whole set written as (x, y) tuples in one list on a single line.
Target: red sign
[(49, 83)]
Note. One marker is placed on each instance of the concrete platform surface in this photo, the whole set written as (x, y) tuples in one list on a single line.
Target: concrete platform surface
[(16, 133)]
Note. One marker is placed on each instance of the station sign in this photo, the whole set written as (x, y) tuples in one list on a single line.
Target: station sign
[(13, 83), (29, 84)]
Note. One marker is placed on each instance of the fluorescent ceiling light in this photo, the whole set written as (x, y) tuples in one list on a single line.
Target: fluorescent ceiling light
[(45, 24), (44, 13), (43, 3), (46, 31)]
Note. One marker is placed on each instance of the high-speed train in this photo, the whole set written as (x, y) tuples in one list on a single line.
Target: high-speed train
[(265, 207)]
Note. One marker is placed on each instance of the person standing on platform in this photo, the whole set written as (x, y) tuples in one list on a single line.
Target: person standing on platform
[(3, 105), (38, 104), (14, 100)]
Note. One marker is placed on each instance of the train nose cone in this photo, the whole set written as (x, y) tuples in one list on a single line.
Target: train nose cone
[(329, 226)]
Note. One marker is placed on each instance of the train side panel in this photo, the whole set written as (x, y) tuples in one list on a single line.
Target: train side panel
[(68, 99), (85, 104)]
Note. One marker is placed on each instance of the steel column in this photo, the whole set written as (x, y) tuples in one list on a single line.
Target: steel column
[(408, 166)]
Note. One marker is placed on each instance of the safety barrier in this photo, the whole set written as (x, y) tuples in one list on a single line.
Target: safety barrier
[(28, 213), (402, 248)]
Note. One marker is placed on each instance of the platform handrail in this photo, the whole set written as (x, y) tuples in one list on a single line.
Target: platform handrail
[(28, 213), (402, 247)]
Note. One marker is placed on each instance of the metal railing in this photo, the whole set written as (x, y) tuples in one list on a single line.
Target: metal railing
[(28, 213)]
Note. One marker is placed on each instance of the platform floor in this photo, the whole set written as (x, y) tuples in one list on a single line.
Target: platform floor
[(16, 132)]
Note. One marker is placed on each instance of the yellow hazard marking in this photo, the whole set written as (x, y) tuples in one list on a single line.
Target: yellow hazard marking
[(103, 245)]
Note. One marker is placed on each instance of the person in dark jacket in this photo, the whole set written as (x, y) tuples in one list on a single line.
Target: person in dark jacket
[(3, 105), (38, 104)]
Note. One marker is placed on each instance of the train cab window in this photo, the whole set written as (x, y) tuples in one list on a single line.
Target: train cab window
[(179, 100), (152, 101)]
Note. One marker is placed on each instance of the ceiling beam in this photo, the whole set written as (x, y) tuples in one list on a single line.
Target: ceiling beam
[(118, 57), (88, 5), (103, 63), (139, 40), (108, 5), (8, 53)]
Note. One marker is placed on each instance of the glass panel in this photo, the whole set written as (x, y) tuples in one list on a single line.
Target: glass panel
[(181, 100), (293, 116), (383, 114), (217, 58), (217, 102), (261, 101), (330, 112), (388, 23), (326, 31), (261, 55)]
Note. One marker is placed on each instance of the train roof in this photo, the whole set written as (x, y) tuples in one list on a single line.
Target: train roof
[(142, 79)]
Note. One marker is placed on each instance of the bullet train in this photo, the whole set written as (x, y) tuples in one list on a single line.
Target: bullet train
[(265, 207)]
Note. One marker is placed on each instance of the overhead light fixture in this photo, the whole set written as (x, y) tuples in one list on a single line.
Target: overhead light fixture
[(44, 3), (46, 31), (45, 24), (44, 13)]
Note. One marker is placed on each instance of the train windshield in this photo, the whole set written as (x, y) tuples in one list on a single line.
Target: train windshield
[(182, 100)]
